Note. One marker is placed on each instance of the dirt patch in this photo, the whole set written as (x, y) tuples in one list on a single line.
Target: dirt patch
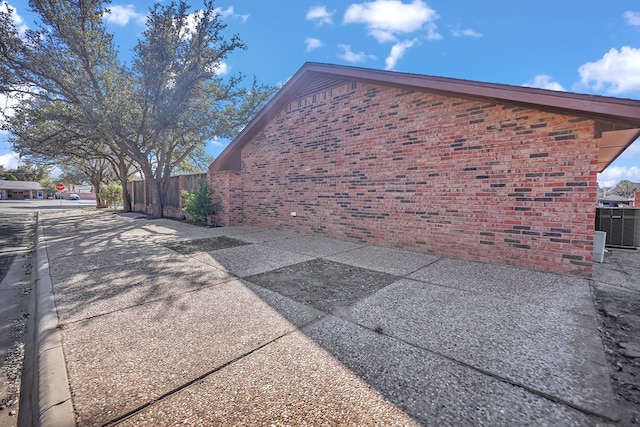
[(618, 307), (11, 369), (619, 316), (187, 247), (322, 284)]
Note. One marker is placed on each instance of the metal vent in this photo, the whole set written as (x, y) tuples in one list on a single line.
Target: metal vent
[(318, 85)]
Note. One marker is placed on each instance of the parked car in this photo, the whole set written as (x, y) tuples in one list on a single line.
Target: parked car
[(74, 196)]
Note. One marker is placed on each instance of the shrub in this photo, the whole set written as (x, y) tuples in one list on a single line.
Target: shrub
[(198, 203), (110, 194)]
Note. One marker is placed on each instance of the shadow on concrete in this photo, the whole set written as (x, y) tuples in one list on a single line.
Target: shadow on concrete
[(229, 316)]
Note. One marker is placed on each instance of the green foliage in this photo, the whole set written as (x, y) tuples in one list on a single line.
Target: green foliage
[(48, 185), (72, 176), (27, 172), (110, 194), (198, 204), (79, 100)]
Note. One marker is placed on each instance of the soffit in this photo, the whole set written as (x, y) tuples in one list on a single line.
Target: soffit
[(613, 143)]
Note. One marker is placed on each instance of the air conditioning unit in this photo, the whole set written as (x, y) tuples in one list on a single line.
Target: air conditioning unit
[(622, 226)]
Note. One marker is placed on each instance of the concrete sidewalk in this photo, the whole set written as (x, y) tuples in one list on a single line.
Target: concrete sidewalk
[(164, 323)]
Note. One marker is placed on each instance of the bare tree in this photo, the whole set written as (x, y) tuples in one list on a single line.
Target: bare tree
[(626, 188)]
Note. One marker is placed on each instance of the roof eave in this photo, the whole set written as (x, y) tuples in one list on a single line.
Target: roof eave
[(269, 111), (593, 105)]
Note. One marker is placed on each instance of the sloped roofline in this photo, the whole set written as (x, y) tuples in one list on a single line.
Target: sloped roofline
[(19, 185), (619, 113)]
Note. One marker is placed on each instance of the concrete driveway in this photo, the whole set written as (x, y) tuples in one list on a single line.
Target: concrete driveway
[(158, 322)]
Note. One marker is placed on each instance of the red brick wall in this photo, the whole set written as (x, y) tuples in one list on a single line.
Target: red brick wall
[(430, 173), (227, 193)]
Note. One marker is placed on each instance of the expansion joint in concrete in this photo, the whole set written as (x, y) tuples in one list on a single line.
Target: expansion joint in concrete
[(194, 381), (610, 417)]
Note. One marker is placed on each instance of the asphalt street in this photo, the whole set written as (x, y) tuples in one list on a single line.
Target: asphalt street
[(17, 226)]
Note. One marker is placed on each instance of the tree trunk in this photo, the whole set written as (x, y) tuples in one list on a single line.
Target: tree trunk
[(156, 198), (96, 187), (126, 196)]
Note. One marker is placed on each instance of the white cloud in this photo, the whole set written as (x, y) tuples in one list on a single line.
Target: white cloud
[(397, 51), (193, 18), (383, 36), (390, 16), (632, 18), (615, 73), (632, 152), (457, 32), (350, 56), (544, 81), (432, 32), (386, 20), (222, 69), (614, 174), (320, 15), (122, 15), (15, 17), (6, 106), (229, 12), (217, 142), (9, 160), (313, 44)]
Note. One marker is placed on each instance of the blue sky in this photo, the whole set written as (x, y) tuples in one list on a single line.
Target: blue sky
[(583, 46)]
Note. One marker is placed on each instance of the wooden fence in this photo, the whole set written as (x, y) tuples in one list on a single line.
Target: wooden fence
[(173, 201)]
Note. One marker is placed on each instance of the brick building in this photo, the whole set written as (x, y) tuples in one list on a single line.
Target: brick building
[(452, 167), (20, 190)]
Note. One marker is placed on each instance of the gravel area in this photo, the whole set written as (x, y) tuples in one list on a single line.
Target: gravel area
[(616, 292), (16, 231)]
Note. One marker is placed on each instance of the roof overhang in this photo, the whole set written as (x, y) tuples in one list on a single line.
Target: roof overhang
[(20, 185), (613, 143), (622, 116)]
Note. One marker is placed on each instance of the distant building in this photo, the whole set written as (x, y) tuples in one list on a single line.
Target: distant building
[(614, 201), (20, 190)]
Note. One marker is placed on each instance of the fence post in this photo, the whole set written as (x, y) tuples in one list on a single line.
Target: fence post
[(132, 194), (146, 202), (180, 199)]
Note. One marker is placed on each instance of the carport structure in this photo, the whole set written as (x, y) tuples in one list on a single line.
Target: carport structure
[(471, 170)]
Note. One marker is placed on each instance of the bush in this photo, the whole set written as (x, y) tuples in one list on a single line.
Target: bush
[(198, 204), (110, 194)]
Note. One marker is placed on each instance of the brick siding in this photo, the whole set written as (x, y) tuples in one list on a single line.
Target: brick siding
[(228, 194), (425, 172)]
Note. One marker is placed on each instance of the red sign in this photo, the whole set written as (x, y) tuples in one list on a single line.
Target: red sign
[(59, 187)]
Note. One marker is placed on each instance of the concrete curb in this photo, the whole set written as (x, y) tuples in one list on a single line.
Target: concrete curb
[(54, 395)]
